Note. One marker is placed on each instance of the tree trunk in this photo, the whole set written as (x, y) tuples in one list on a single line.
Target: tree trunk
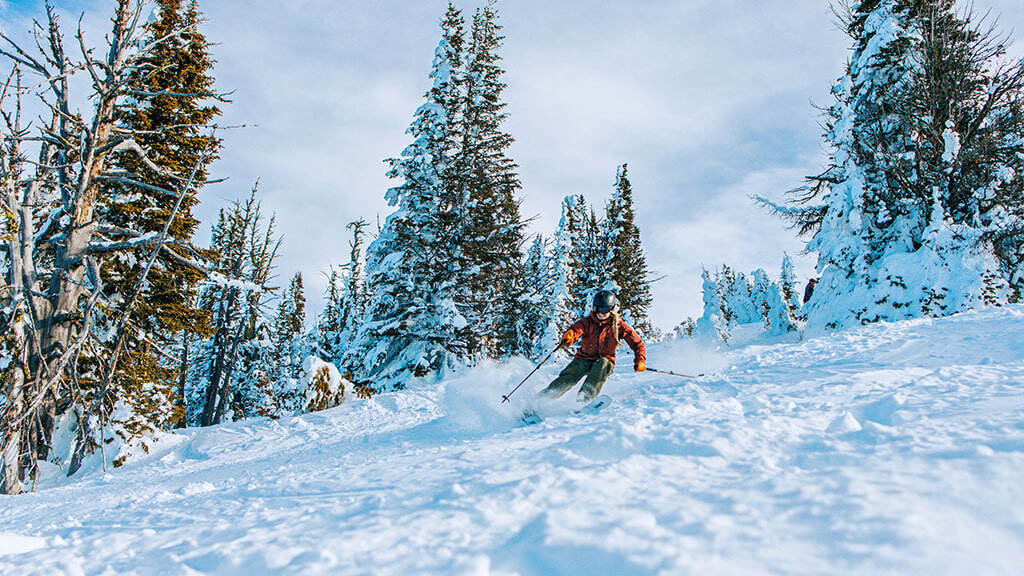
[(183, 381), (225, 392), (220, 351), (10, 459)]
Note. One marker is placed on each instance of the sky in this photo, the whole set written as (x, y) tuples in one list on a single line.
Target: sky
[(708, 101)]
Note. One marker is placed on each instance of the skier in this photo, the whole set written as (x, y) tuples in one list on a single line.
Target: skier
[(809, 290), (599, 335)]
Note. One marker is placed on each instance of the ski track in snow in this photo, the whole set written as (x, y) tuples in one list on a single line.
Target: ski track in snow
[(891, 448)]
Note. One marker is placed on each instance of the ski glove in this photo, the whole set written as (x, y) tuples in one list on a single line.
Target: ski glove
[(568, 339), (640, 366)]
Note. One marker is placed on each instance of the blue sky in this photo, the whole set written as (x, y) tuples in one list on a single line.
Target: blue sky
[(709, 101)]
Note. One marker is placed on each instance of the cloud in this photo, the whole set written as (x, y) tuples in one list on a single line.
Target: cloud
[(729, 229), (707, 100)]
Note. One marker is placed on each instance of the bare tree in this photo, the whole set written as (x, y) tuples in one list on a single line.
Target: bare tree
[(52, 239)]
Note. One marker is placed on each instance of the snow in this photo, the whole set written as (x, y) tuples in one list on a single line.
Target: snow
[(17, 544), (951, 143), (217, 279), (892, 448)]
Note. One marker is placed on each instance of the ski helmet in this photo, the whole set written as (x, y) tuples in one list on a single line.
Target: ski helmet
[(605, 302)]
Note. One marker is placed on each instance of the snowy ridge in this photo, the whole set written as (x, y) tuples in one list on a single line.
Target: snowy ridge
[(890, 448)]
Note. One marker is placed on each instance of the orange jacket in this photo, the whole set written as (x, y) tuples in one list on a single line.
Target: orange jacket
[(597, 338)]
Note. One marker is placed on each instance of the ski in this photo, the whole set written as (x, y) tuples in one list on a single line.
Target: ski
[(529, 418), (595, 406)]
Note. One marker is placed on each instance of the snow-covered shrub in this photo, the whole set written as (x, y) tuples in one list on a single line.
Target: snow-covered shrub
[(947, 274), (324, 386), (138, 414)]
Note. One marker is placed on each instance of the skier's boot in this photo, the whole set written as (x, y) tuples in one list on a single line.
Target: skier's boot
[(585, 395)]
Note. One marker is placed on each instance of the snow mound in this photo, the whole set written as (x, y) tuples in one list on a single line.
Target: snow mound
[(845, 424), (11, 544)]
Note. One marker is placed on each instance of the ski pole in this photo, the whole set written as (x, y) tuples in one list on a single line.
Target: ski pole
[(542, 362), (673, 373)]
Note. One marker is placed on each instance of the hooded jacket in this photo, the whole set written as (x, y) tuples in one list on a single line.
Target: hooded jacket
[(598, 338)]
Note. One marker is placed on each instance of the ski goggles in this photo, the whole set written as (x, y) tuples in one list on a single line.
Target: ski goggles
[(603, 309)]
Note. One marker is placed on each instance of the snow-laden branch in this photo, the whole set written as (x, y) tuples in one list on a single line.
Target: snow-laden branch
[(781, 210), (218, 279), (146, 240), (131, 145)]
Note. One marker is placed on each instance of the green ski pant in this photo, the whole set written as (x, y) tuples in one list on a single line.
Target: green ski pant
[(596, 371)]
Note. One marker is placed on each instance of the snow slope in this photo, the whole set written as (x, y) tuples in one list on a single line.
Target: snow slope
[(887, 449)]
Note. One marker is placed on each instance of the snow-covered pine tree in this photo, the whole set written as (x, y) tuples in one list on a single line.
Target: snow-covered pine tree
[(712, 325), (538, 311), (969, 106), (354, 296), (724, 282), (731, 300), (741, 300), (246, 247), (288, 350), (767, 297), (169, 113), (328, 325), (493, 235), (345, 301), (627, 261), (561, 308), (571, 259), (589, 259), (289, 325), (788, 284), (257, 390), (685, 329), (920, 210), (414, 267)]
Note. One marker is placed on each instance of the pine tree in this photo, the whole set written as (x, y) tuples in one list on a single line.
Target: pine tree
[(328, 326), (787, 281), (257, 390), (767, 298), (590, 262), (713, 325), (493, 235), (724, 285), (353, 303), (627, 262), (562, 311), (246, 248), (289, 325), (685, 329), (345, 301), (738, 299), (920, 209), (538, 311), (412, 325), (72, 363), (282, 342), (576, 241), (169, 114)]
